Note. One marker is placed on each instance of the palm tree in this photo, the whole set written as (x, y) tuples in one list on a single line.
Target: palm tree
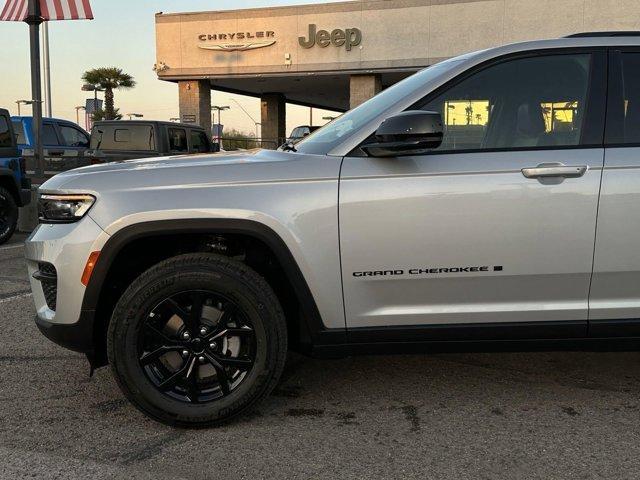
[(108, 78)]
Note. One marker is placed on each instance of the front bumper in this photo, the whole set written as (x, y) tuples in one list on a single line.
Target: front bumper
[(75, 336), (66, 247)]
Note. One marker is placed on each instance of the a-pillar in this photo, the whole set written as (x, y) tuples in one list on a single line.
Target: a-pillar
[(362, 88), (195, 103), (274, 119)]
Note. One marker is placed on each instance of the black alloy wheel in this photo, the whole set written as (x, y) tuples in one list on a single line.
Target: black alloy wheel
[(196, 346), (197, 339)]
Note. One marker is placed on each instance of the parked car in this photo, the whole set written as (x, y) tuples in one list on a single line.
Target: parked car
[(116, 140), (65, 143), (300, 132), (488, 200), (15, 187)]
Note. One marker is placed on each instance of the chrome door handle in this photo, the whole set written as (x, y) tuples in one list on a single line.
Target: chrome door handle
[(546, 170)]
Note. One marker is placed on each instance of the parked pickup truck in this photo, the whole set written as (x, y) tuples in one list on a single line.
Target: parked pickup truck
[(64, 143), (15, 187), (117, 140)]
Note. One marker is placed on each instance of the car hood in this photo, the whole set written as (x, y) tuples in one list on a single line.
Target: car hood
[(219, 168)]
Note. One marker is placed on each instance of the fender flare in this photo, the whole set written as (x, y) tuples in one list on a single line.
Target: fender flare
[(313, 330)]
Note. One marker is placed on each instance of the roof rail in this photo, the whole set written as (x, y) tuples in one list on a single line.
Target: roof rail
[(621, 33)]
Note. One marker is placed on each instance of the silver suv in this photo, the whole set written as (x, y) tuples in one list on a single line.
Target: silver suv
[(489, 200)]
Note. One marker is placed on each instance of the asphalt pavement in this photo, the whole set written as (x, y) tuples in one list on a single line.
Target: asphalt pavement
[(550, 415)]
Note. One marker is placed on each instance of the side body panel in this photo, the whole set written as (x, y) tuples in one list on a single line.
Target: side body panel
[(294, 195), (414, 214), (615, 289)]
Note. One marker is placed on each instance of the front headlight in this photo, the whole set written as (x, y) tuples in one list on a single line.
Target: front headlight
[(64, 208)]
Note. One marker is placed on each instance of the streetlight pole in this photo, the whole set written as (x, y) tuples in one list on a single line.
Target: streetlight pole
[(78, 108), (219, 109)]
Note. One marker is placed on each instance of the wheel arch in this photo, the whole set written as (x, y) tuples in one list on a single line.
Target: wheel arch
[(310, 327)]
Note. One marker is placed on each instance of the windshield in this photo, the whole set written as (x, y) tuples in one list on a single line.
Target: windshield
[(326, 138)]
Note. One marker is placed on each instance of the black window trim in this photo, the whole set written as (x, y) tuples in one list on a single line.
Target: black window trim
[(615, 93), (595, 110)]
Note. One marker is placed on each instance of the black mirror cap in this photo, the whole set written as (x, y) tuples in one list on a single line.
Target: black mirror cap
[(413, 132)]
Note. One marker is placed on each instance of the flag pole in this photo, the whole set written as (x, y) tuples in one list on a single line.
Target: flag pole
[(47, 70), (34, 19)]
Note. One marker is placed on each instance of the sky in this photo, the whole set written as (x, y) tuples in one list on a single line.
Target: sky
[(123, 35)]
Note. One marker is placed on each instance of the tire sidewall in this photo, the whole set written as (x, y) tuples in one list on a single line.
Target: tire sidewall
[(12, 219)]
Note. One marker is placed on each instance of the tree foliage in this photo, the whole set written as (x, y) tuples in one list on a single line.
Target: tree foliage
[(109, 79)]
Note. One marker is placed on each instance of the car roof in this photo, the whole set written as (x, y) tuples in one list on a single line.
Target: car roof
[(29, 117), (147, 122)]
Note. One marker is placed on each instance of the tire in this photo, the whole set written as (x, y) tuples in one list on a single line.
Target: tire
[(205, 388), (8, 215)]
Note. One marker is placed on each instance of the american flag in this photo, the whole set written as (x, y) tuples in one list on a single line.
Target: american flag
[(16, 10)]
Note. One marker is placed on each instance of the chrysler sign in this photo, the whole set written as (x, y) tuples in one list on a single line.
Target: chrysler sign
[(238, 41)]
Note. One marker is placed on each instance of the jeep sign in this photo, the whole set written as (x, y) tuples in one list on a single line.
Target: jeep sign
[(350, 37)]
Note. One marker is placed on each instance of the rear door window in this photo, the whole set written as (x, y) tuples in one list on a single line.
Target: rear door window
[(74, 137), (623, 121), (49, 135), (178, 140), (199, 142), (123, 137)]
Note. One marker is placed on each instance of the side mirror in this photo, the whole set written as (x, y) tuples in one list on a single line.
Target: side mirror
[(408, 133)]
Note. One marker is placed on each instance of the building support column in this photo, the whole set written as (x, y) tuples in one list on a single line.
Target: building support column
[(195, 103), (362, 88), (274, 119)]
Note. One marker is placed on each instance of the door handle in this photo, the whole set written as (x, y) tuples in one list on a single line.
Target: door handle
[(546, 170), (56, 153)]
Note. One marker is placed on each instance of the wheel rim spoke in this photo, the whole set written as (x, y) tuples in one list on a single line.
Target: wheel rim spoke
[(161, 337), (196, 313), (230, 332), (149, 357), (192, 382), (175, 378), (240, 363), (220, 372), (178, 310)]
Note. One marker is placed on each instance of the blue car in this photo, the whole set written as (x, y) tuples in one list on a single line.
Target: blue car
[(64, 142), (15, 187)]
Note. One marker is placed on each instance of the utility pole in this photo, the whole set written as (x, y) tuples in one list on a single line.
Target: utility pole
[(248, 115), (34, 19)]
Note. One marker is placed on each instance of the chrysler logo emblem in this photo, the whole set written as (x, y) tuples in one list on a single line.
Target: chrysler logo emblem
[(239, 41), (234, 47)]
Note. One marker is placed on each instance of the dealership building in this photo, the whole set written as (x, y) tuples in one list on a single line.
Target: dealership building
[(336, 55)]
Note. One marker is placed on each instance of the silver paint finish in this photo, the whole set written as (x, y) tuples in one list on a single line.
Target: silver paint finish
[(467, 209), (67, 247), (615, 289), (294, 195)]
